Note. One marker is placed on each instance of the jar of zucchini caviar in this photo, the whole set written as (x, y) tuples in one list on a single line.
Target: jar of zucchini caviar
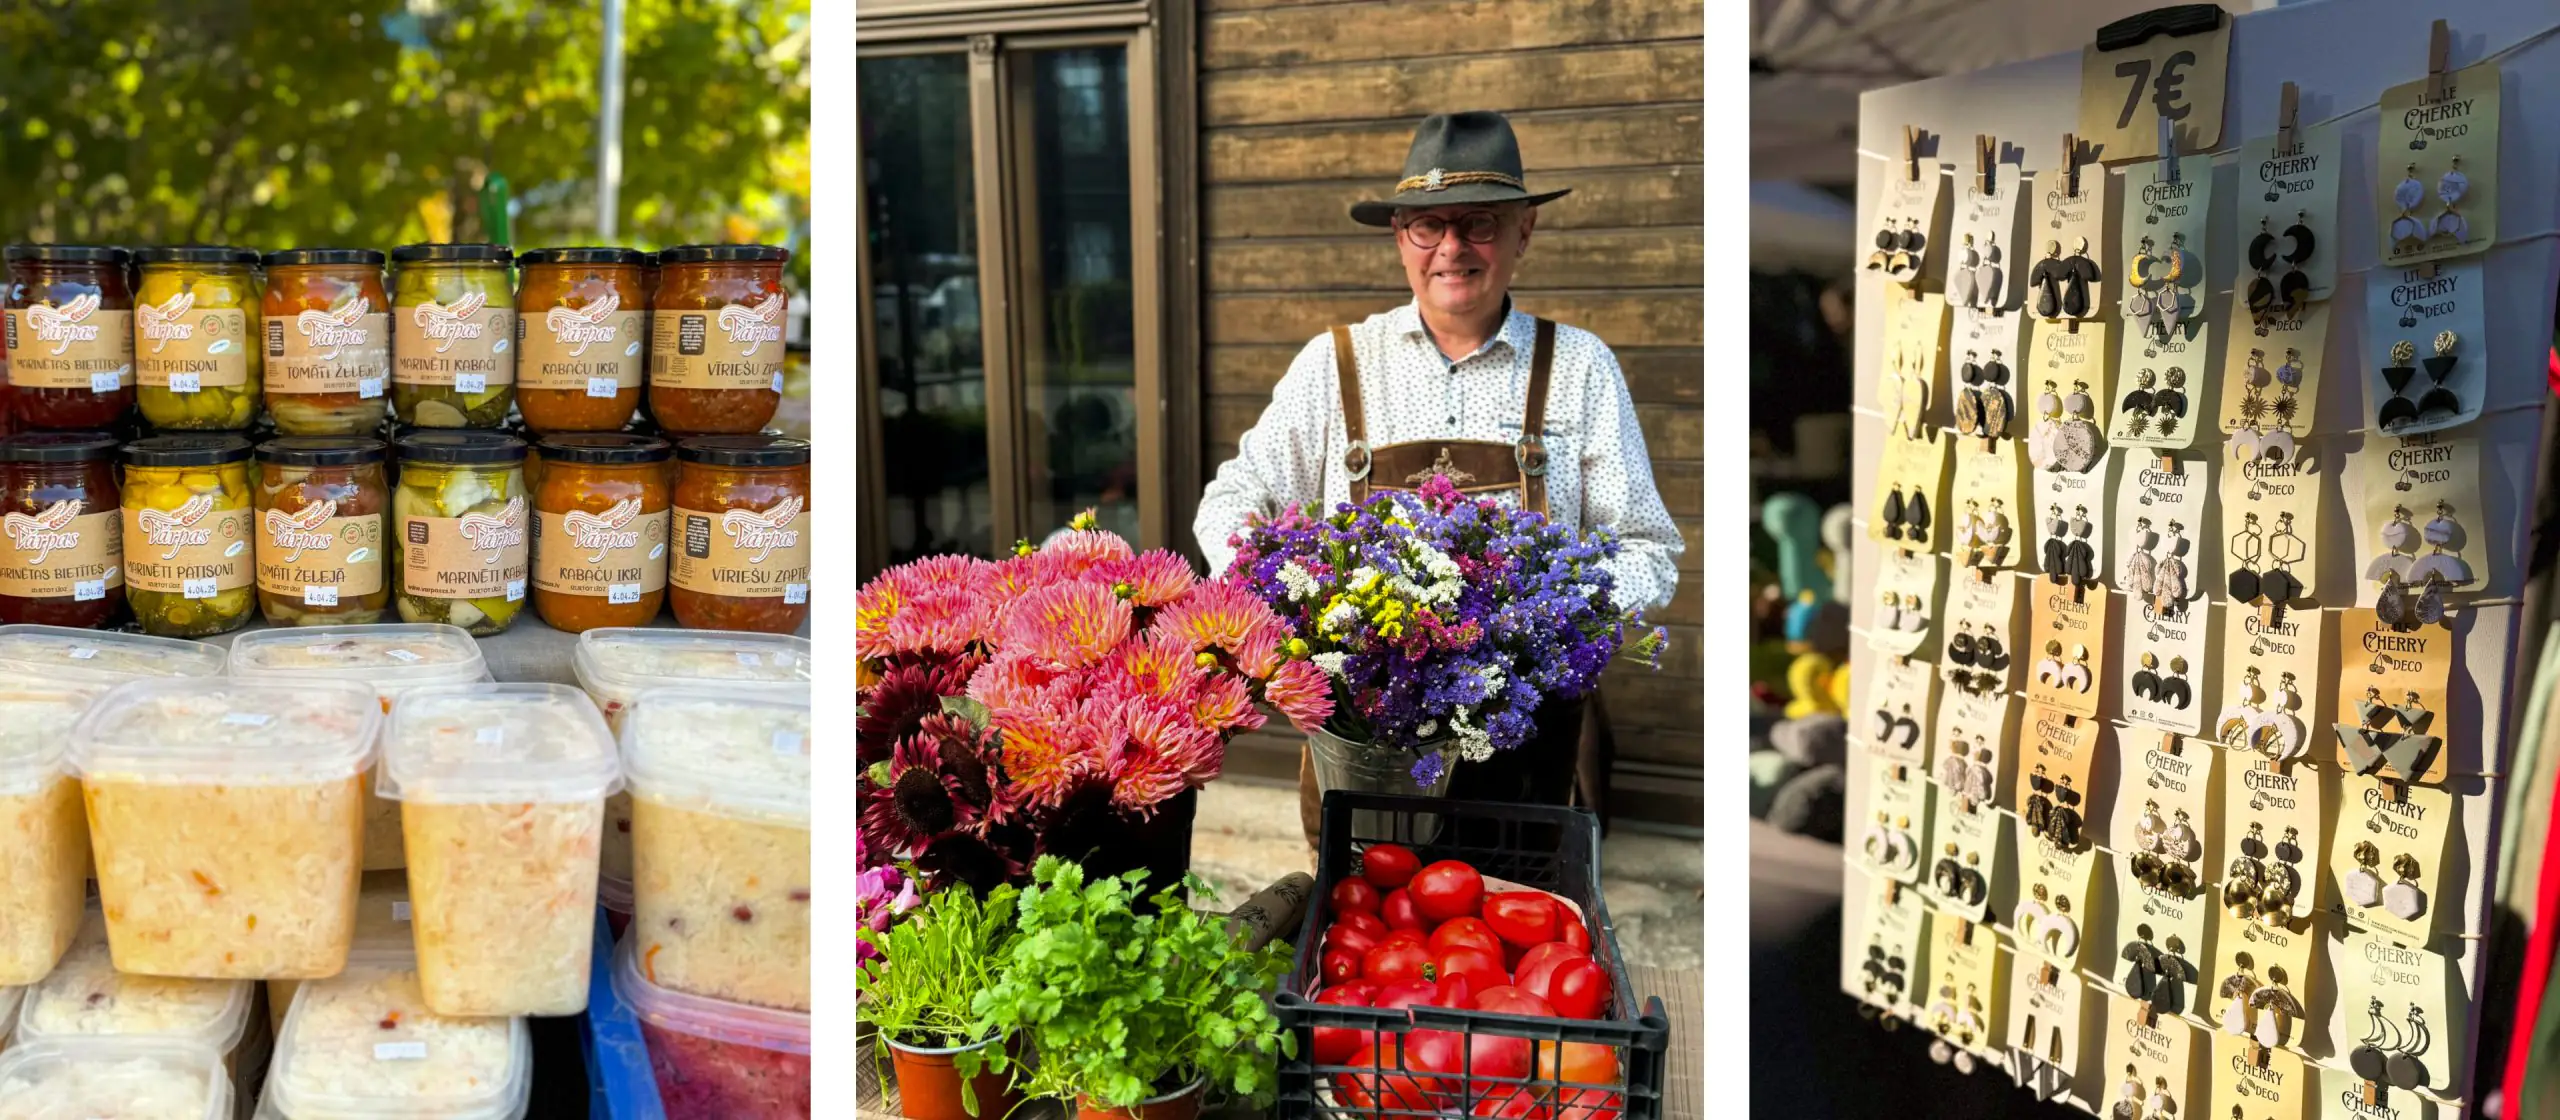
[(600, 530), (197, 363), (582, 338), (328, 342), (715, 338), (741, 534), (189, 568), (460, 533), (69, 336), (61, 547), (323, 503), (453, 329)]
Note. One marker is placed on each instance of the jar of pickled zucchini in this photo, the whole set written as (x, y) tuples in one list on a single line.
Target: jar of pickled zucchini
[(600, 518), (61, 534), (582, 339), (321, 504), (715, 338), (197, 364), (188, 564), (742, 533), (453, 329), (460, 529), (328, 342), (69, 336)]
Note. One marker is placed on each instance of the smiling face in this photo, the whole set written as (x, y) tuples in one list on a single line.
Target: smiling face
[(1458, 277)]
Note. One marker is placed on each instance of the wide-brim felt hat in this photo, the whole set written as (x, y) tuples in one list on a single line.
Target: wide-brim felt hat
[(1457, 159)]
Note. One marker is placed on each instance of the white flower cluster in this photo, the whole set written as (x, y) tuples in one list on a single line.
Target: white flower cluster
[(1491, 675), (1342, 617), (1300, 584), (1446, 580), (1474, 743), (1331, 663)]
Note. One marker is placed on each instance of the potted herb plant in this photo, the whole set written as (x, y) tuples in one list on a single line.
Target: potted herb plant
[(1136, 1011), (919, 991)]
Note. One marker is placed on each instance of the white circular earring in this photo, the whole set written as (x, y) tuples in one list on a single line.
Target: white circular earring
[(2180, 841)]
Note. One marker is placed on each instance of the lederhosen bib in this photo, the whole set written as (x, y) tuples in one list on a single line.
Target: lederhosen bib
[(1474, 466)]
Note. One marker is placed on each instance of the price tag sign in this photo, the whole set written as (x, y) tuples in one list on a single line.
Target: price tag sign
[(369, 388), (515, 590), (186, 383), (106, 382), (603, 388), (314, 595), (621, 594), (795, 594), (2124, 93), (471, 383), (205, 588)]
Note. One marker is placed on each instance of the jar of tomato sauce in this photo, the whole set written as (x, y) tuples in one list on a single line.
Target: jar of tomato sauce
[(600, 518), (70, 336), (61, 529), (582, 329), (453, 358), (321, 503), (328, 333), (715, 338), (197, 361), (742, 533)]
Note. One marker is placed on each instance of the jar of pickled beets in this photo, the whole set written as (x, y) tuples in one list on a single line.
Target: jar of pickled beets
[(69, 336)]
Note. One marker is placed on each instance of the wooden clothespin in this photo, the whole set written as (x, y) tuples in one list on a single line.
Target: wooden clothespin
[(2257, 1054), (2146, 1014), (2169, 148), (2439, 46), (1911, 152), (2070, 165), (1986, 160), (1964, 931), (2288, 115), (2373, 1094), (2166, 462), (2399, 788), (2430, 269), (2169, 743), (2048, 974), (2270, 612)]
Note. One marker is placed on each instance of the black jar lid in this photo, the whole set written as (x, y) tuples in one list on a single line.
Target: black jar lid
[(196, 254), (463, 447), (745, 451), (580, 254), (208, 450), (698, 254), (371, 257), (322, 451), (605, 449), (57, 447), (451, 252), (67, 254)]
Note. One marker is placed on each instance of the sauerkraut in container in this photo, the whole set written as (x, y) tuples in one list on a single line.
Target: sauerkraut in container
[(44, 842), (122, 1078), (715, 1060), (62, 654), (393, 658), (720, 844), (382, 926), (502, 790), (363, 1044), (226, 816), (87, 998)]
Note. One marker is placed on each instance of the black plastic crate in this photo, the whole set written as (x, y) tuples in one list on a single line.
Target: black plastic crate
[(1551, 849)]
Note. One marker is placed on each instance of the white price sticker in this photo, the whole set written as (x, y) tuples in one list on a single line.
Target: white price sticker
[(603, 387), (471, 383), (399, 910), (319, 595), (402, 656), (399, 1051), (490, 736), (621, 594), (106, 382), (83, 653), (88, 590), (368, 388), (186, 383), (515, 590), (787, 741), (795, 594), (248, 719), (748, 660), (199, 588), (777, 381)]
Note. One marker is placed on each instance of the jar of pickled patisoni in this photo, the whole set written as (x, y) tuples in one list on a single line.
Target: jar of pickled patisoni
[(600, 530), (715, 338), (582, 339), (453, 329), (70, 336), (61, 538), (188, 516), (322, 503), (742, 533), (197, 360), (328, 342), (460, 529)]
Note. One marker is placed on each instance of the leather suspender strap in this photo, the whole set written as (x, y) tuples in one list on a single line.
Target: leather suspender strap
[(1346, 370), (1532, 450)]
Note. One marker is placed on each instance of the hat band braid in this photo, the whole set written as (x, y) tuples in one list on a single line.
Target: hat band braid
[(1442, 180)]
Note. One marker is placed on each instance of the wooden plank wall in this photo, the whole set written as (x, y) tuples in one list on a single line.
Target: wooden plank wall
[(1308, 105)]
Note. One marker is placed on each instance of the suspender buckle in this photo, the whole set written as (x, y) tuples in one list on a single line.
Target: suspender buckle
[(1531, 454), (1356, 460)]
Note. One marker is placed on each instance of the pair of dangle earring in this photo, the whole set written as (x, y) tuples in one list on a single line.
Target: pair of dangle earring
[(2053, 809), (2065, 436), (1906, 519), (2438, 404), (2262, 884), (2265, 1012), (2444, 538), (2155, 302), (1892, 730), (2262, 563), (2259, 441), (1889, 844), (2146, 407), (2159, 973), (1960, 880), (1898, 251), (2072, 674), (2062, 283), (2269, 294), (2388, 1055), (1904, 613), (2263, 722), (2371, 743), (2068, 555), (1966, 773), (2165, 851), (2158, 578), (1982, 538), (1983, 403), (2409, 232), (1905, 394), (2173, 689), (2045, 921), (1975, 281), (2363, 886), (2135, 1103), (1982, 665)]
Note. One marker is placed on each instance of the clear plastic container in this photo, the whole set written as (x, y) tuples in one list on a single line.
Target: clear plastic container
[(393, 658), (123, 1078), (502, 790), (9, 998), (382, 926), (227, 815), (62, 654), (715, 1060), (87, 997), (362, 1045), (616, 664), (44, 841), (720, 844)]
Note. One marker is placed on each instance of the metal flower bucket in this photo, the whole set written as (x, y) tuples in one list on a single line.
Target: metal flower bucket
[(1367, 768)]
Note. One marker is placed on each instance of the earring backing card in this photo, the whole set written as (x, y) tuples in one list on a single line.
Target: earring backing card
[(2407, 309), (1970, 966), (2081, 629), (1991, 219), (2177, 551), (2172, 778), (2282, 392), (2291, 498), (2043, 1027), (2148, 1050), (2281, 189), (2461, 124), (2399, 819), (2260, 1081), (2410, 668), (1894, 922), (2437, 475), (2077, 226), (2410, 980)]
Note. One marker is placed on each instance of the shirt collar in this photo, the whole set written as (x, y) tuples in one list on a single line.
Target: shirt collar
[(1514, 333)]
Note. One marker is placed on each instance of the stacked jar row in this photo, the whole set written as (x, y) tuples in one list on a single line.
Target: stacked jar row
[(195, 531), (200, 337)]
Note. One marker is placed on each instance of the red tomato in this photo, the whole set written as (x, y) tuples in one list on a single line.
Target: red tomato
[(1574, 933), (1447, 889), (1522, 918), (1583, 1063), (1404, 994), (1456, 991), (1355, 896), (1341, 966), (1510, 1000), (1336, 1045), (1471, 933), (1578, 989), (1398, 910), (1391, 963), (1531, 972), (1385, 1090), (1491, 1056), (1411, 937), (1363, 921), (1436, 1051), (1483, 969), (1351, 939), (1388, 866), (1511, 1102)]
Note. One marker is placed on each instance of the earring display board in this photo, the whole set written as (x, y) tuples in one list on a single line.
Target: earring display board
[(2270, 884)]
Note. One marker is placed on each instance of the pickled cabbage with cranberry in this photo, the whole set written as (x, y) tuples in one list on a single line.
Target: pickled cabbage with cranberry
[(720, 845)]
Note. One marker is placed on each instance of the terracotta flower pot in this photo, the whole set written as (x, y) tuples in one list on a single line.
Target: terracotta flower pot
[(1180, 1104), (929, 1084)]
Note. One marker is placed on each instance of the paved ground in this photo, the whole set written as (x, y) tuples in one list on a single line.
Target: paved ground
[(1247, 835)]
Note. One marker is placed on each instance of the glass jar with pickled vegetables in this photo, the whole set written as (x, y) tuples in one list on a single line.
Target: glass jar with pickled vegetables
[(582, 338), (460, 529), (70, 336), (741, 533), (322, 503), (600, 517), (453, 329), (197, 361), (328, 341), (188, 516), (715, 338), (61, 533)]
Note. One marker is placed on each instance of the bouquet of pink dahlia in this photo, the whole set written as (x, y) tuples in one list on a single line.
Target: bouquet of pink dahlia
[(1006, 705)]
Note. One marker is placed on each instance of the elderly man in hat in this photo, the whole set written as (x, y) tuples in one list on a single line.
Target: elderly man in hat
[(1460, 382)]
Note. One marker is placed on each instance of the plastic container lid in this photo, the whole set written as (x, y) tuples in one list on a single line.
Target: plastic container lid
[(35, 723), (731, 753), (9, 997), (623, 660), (470, 743), (60, 654), (743, 1024), (86, 997), (392, 657), (126, 1078), (228, 731), (336, 1059)]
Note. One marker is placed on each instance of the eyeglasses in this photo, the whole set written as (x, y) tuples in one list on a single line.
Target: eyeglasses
[(1479, 227)]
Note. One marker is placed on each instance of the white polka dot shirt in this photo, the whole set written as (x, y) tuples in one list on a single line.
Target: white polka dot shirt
[(1598, 473)]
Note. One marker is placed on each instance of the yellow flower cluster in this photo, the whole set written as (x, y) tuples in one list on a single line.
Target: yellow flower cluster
[(1374, 603)]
